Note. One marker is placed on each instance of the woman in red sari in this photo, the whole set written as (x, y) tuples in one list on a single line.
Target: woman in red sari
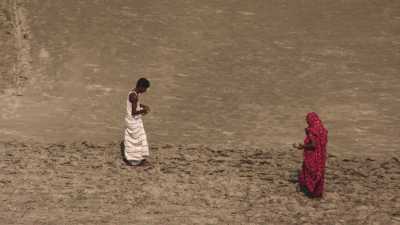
[(311, 176)]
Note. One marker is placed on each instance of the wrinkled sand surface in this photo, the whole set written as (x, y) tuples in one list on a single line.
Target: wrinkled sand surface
[(82, 183)]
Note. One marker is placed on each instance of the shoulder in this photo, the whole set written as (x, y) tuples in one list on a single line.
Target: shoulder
[(133, 97), (312, 132)]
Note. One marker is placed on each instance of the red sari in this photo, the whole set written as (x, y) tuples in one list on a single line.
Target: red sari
[(311, 177)]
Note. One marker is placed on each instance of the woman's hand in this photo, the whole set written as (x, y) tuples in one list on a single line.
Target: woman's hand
[(298, 146)]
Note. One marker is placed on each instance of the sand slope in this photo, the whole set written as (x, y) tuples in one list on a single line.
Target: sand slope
[(223, 72)]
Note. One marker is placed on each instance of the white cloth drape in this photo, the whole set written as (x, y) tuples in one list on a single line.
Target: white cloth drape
[(135, 139)]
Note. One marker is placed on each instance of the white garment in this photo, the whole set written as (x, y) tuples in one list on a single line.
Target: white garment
[(135, 139)]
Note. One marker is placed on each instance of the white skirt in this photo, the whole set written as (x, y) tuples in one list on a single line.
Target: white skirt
[(135, 140)]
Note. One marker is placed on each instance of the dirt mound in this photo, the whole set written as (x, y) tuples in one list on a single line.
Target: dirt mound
[(84, 183)]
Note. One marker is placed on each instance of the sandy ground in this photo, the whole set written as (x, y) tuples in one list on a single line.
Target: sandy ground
[(231, 84), (223, 72), (8, 51), (83, 183)]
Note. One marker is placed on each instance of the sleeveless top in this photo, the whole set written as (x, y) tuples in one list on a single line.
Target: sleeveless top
[(129, 107)]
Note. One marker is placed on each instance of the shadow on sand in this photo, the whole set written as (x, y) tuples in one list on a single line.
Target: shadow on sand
[(122, 151)]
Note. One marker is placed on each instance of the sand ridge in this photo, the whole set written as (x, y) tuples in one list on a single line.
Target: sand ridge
[(8, 54)]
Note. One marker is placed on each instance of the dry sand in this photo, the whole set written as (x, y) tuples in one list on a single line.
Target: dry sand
[(232, 81), (223, 72), (8, 53), (83, 183)]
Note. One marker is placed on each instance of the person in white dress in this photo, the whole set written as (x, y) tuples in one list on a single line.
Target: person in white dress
[(136, 148)]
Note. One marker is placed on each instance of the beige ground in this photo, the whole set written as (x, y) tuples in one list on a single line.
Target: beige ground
[(225, 74), (8, 51), (83, 183)]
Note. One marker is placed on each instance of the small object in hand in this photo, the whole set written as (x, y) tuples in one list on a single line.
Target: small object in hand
[(298, 146), (145, 107)]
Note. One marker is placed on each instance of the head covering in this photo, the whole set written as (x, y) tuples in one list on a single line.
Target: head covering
[(316, 127), (313, 119)]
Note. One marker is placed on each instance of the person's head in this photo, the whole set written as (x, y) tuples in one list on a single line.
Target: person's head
[(312, 119), (142, 84)]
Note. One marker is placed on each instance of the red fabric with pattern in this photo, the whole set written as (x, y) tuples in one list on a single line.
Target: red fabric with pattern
[(313, 170)]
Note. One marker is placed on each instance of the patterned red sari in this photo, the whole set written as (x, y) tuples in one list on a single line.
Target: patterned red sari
[(311, 177)]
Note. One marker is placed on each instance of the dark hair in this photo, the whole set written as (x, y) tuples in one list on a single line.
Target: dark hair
[(143, 82)]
